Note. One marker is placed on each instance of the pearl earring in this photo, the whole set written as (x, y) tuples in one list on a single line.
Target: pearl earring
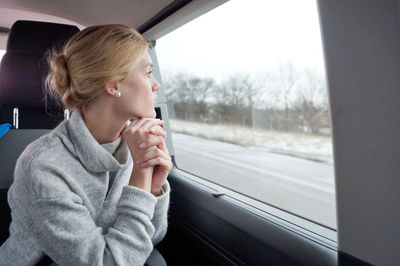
[(118, 94)]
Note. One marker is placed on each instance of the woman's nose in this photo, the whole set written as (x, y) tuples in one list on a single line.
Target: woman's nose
[(156, 86)]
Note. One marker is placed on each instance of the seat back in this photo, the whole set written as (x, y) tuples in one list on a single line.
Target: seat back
[(11, 146), (22, 72)]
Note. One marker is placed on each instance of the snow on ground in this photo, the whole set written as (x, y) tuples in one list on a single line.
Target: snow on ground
[(314, 147)]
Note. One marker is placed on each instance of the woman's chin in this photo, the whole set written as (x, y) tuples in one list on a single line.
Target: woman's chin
[(148, 115), (154, 114)]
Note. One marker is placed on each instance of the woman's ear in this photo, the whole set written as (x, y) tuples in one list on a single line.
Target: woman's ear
[(110, 88)]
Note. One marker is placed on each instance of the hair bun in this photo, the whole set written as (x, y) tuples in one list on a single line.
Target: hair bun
[(58, 80), (60, 72)]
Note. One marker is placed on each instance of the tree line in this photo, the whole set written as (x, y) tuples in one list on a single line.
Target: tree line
[(284, 98)]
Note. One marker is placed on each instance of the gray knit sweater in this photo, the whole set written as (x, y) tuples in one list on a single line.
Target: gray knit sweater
[(60, 205)]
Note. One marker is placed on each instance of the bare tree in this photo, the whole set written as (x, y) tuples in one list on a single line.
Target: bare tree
[(175, 86), (235, 98), (200, 90), (176, 94), (311, 103), (286, 77), (189, 95)]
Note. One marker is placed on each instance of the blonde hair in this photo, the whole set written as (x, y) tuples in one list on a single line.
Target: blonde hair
[(93, 56)]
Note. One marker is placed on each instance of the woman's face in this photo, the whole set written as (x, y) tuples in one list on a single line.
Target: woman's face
[(138, 91)]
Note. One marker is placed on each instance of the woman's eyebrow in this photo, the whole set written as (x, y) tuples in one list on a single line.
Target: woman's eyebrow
[(149, 64)]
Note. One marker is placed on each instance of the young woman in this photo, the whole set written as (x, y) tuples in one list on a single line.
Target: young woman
[(94, 190)]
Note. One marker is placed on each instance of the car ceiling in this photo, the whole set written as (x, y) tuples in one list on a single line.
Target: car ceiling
[(79, 13), (154, 18), (88, 12)]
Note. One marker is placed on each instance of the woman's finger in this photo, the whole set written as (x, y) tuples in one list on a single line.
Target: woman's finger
[(158, 131), (158, 161), (150, 154), (130, 124), (151, 123), (144, 123), (152, 140), (154, 152), (136, 133)]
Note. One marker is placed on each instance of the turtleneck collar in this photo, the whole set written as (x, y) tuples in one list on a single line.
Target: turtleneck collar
[(91, 154)]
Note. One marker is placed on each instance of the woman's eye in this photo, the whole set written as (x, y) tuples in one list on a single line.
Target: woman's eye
[(149, 74)]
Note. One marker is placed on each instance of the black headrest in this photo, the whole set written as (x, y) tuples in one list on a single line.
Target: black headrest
[(24, 68), (34, 36)]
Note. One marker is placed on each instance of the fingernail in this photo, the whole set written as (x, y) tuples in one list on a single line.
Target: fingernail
[(142, 145), (140, 161), (143, 164)]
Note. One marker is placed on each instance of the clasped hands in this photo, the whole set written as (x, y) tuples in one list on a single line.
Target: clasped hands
[(146, 141)]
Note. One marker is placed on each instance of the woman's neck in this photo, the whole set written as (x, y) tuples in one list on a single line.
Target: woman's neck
[(102, 122)]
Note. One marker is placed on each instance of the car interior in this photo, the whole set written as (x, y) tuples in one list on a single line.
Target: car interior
[(210, 224)]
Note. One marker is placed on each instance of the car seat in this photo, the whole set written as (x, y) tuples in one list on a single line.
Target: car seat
[(22, 71)]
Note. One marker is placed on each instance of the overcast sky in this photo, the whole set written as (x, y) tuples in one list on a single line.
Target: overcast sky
[(248, 36)]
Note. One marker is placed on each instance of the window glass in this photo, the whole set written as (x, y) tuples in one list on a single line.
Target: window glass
[(248, 105)]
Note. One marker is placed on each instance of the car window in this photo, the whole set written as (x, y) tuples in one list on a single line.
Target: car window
[(248, 104)]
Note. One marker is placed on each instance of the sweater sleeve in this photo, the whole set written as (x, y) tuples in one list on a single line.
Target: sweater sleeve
[(160, 217), (69, 235)]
